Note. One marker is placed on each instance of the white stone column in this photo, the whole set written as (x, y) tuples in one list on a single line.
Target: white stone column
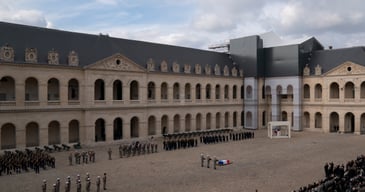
[(19, 93)]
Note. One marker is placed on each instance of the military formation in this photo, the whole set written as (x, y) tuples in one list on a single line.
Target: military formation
[(208, 159), (349, 177), (81, 157), (135, 148), (15, 162), (100, 184)]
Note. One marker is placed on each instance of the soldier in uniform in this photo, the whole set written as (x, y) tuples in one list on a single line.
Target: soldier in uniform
[(44, 186), (104, 181), (202, 158), (88, 185), (78, 186), (58, 185), (68, 186), (208, 160), (54, 189), (215, 160), (98, 184), (110, 153)]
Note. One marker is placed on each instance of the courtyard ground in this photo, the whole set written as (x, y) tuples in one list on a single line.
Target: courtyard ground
[(262, 163)]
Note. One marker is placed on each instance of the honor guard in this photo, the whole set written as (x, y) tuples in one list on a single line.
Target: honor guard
[(98, 184), (44, 186), (58, 185), (78, 186), (67, 187), (215, 161), (208, 160), (88, 185), (202, 158), (54, 189), (104, 181)]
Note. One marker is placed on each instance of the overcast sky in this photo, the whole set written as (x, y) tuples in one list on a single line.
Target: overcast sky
[(197, 23)]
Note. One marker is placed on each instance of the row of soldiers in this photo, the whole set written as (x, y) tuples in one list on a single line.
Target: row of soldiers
[(19, 161), (85, 156), (180, 143), (135, 148), (56, 187), (349, 177)]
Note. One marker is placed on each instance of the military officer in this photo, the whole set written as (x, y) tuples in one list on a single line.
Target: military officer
[(208, 160), (98, 184), (202, 158), (104, 181), (44, 186)]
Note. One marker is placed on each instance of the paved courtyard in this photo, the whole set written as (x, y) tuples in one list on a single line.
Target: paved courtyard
[(261, 163)]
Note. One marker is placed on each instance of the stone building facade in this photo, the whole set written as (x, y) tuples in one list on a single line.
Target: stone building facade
[(60, 87)]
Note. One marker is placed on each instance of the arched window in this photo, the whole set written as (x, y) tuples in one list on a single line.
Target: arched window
[(187, 122), (208, 121), (152, 125), (234, 92), (334, 122), (249, 92), (73, 89), (217, 120), (207, 92), (117, 128), (151, 91), (249, 119), (117, 90), (164, 124), (197, 91), (8, 137), (226, 92), (164, 91), (99, 130), (176, 123), (53, 90), (349, 122), (176, 91), (226, 119), (32, 135), (318, 91), (306, 120), (198, 121), (7, 89), (318, 120), (217, 92), (99, 90), (134, 127), (349, 90), (235, 119), (31, 89), (306, 91), (284, 116), (334, 91), (242, 92), (362, 90), (74, 131), (54, 133), (134, 92), (187, 91)]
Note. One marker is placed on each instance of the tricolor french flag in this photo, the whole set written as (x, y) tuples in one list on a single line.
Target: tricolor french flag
[(224, 162)]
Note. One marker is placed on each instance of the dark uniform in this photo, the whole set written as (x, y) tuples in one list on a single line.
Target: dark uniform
[(202, 158), (104, 181)]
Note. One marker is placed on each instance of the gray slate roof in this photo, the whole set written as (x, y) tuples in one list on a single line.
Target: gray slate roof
[(331, 58), (92, 48)]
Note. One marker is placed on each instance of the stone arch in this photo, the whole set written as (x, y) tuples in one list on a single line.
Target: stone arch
[(99, 130), (217, 91), (334, 122), (208, 121), (249, 119), (118, 128), (289, 90), (53, 88), (73, 131), (234, 118), (242, 92), (7, 89), (334, 91), (349, 90), (249, 92), (54, 133), (187, 91), (226, 119), (99, 90), (117, 90), (362, 124), (198, 91), (73, 89), (176, 91), (318, 91), (234, 92), (349, 123), (226, 92), (134, 90), (279, 90), (306, 91), (134, 127), (187, 122), (151, 91), (164, 124), (198, 121), (32, 134), (362, 90), (164, 91), (318, 120), (31, 89), (284, 116), (306, 120), (242, 118), (268, 90), (218, 120), (8, 136), (208, 91), (152, 125), (176, 123)]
